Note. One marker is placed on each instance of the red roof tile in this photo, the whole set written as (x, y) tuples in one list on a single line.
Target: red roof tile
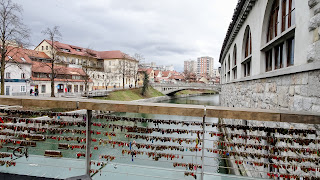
[(156, 72), (56, 79), (17, 55), (46, 68), (165, 73), (75, 50)]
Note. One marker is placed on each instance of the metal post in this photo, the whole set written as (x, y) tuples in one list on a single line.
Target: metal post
[(203, 129), (88, 141)]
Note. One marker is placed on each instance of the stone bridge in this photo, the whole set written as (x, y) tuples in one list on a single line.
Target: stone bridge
[(170, 89)]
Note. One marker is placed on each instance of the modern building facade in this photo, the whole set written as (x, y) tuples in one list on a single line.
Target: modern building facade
[(190, 67), (205, 66)]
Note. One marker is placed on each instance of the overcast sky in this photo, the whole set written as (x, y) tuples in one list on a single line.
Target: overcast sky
[(163, 31)]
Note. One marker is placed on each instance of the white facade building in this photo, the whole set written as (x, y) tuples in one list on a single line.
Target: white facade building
[(17, 72), (190, 66), (258, 46), (270, 59)]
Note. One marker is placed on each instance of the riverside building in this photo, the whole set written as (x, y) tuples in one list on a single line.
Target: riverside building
[(270, 59)]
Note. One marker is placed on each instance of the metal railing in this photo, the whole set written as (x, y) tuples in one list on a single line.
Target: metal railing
[(109, 143)]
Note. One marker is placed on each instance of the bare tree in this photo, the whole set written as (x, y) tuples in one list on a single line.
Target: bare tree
[(138, 57), (87, 68), (13, 31), (53, 35), (124, 68)]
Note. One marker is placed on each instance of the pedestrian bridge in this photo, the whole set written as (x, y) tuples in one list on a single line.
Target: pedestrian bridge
[(170, 89)]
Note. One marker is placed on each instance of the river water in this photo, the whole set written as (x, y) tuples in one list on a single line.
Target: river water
[(208, 100), (139, 167)]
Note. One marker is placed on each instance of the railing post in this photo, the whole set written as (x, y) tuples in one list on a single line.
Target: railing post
[(88, 141), (203, 130)]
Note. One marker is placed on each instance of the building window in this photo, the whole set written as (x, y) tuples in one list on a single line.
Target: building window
[(246, 68), (234, 69), (81, 88), (287, 14), (42, 48), (269, 60), (8, 75), (229, 63), (43, 88), (23, 75), (278, 56), (287, 17), (275, 56), (22, 88), (248, 48), (246, 63), (273, 21), (47, 48), (234, 72), (75, 88), (235, 55), (290, 52)]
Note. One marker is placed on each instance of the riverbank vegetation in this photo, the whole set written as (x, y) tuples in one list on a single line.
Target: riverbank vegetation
[(131, 94)]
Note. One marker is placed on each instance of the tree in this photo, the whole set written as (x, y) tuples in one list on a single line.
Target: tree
[(53, 35), (12, 31), (86, 68), (145, 83), (187, 75), (138, 57), (124, 68)]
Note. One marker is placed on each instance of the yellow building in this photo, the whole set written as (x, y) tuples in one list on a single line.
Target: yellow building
[(105, 68)]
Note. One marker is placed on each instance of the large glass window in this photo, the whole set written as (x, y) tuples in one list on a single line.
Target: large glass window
[(246, 63), (234, 68), (278, 56), (290, 52), (275, 56), (248, 48), (273, 21), (235, 55), (269, 60)]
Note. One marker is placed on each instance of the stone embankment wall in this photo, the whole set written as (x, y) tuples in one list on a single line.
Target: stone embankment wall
[(163, 98), (295, 92)]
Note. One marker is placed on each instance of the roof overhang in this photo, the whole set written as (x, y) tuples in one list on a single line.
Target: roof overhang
[(240, 15)]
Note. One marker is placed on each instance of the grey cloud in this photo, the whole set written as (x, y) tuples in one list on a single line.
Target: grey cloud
[(165, 31)]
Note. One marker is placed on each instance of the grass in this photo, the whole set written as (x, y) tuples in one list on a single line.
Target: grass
[(131, 94)]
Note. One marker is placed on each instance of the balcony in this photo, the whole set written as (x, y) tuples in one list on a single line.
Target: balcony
[(187, 142)]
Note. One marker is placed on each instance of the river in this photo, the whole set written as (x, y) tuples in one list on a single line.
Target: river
[(208, 100)]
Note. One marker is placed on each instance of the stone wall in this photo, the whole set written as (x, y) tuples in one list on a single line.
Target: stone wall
[(294, 92)]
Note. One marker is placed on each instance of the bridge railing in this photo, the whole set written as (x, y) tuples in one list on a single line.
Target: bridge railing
[(254, 143), (184, 84)]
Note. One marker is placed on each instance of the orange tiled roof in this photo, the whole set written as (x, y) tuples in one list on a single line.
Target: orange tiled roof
[(75, 50), (46, 68), (56, 79)]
